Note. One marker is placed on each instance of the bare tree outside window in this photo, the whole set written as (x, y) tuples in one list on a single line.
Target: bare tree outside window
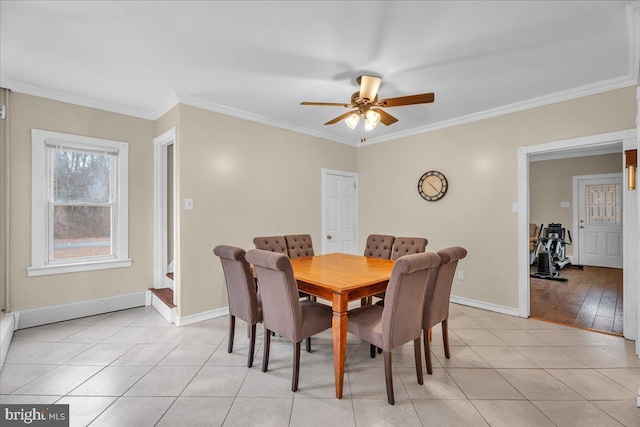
[(82, 204)]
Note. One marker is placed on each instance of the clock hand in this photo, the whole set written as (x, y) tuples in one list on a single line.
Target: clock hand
[(432, 186)]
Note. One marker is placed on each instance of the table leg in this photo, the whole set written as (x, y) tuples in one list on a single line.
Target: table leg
[(339, 329)]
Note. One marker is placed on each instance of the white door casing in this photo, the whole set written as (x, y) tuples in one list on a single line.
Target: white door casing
[(161, 185), (598, 220), (339, 211)]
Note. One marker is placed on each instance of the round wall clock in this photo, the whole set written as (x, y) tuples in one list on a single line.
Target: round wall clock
[(433, 186)]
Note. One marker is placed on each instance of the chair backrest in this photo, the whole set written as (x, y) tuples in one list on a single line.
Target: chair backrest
[(271, 243), (408, 245), (404, 298), (436, 304), (241, 288), (299, 245), (379, 246), (281, 311)]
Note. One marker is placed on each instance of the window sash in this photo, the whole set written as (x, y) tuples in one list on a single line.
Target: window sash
[(113, 197)]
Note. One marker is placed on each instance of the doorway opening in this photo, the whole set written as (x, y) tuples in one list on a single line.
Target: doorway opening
[(601, 296), (166, 278)]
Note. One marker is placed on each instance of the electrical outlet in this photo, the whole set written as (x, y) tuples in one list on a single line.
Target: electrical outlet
[(565, 204), (460, 275)]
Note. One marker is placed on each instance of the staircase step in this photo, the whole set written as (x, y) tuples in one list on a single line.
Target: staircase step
[(170, 275), (165, 295)]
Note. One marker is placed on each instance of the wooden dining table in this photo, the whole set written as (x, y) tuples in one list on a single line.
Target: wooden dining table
[(341, 278)]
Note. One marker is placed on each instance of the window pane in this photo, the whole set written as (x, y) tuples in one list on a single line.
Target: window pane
[(80, 177), (81, 231), (603, 204)]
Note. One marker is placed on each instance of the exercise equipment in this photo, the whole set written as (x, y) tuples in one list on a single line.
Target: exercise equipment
[(550, 255)]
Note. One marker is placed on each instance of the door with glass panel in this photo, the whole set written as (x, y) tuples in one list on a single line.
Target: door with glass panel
[(599, 220)]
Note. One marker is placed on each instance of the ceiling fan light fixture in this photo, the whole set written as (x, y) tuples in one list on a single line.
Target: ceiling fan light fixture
[(369, 125), (373, 117), (352, 120)]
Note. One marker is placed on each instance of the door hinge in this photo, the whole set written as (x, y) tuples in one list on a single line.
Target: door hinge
[(354, 185), (3, 111)]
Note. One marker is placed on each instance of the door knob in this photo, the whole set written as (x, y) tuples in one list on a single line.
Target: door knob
[(582, 220), (582, 226), (329, 236)]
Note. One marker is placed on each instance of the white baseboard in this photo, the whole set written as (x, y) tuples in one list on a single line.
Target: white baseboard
[(7, 326), (74, 310), (168, 313), (485, 305), (195, 318)]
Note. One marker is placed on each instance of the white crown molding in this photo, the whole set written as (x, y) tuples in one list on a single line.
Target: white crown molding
[(230, 111), (164, 107), (77, 100), (633, 39), (565, 95)]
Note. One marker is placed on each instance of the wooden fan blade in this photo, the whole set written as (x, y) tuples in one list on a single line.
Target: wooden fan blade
[(326, 104), (385, 118), (369, 87), (423, 98), (340, 117)]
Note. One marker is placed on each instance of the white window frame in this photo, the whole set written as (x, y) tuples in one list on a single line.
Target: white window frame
[(41, 263)]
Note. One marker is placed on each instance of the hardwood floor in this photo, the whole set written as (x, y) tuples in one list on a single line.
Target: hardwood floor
[(592, 299)]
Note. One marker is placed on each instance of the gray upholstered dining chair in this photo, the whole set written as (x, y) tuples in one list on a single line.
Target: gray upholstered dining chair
[(244, 301), (436, 303), (299, 245), (279, 244), (400, 320), (282, 310), (271, 243), (408, 245), (405, 246), (379, 246)]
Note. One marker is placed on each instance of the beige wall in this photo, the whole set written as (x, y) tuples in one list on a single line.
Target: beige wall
[(247, 179), (551, 182), (479, 160), (30, 112)]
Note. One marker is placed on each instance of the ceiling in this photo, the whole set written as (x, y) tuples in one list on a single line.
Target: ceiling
[(259, 60)]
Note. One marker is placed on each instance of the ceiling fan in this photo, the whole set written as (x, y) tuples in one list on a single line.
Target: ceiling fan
[(367, 106)]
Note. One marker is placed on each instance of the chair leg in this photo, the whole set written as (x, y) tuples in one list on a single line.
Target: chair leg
[(427, 352), (445, 338), (363, 302), (296, 366), (388, 374), (252, 345), (379, 350), (266, 345), (416, 352), (232, 331), (372, 350), (308, 344), (430, 334)]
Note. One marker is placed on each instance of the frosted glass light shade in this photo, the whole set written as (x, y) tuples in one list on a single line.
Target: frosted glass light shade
[(352, 120)]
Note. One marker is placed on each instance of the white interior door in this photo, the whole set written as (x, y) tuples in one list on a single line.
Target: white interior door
[(600, 220), (339, 216)]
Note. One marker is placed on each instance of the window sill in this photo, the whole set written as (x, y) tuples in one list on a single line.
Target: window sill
[(72, 268)]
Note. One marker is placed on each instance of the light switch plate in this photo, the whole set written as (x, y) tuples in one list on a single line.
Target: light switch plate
[(188, 204), (565, 204)]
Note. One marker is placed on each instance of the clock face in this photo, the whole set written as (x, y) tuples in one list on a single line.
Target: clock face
[(433, 186)]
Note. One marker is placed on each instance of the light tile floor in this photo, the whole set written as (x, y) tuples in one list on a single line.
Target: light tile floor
[(132, 368)]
